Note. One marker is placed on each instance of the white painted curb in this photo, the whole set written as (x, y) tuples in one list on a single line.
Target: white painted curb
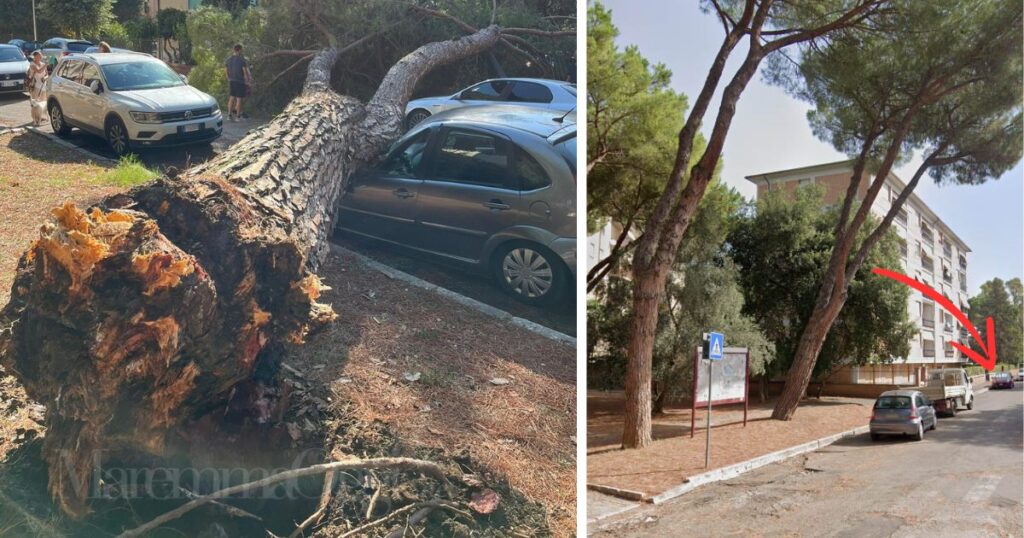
[(461, 299), (732, 471)]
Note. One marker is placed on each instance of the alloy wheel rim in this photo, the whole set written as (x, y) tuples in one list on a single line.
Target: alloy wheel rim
[(527, 272), (55, 118), (418, 117), (117, 139)]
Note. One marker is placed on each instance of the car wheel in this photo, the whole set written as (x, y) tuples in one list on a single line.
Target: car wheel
[(57, 122), (117, 137), (952, 408), (920, 432), (875, 436), (529, 272), (415, 117), (970, 404), (935, 424)]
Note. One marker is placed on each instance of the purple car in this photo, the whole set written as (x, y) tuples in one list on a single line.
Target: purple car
[(1002, 380)]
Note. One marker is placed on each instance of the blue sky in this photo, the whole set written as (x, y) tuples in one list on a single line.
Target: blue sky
[(770, 132)]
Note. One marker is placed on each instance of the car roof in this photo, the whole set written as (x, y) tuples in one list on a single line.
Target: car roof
[(902, 392), (528, 79), (7, 46), (537, 121), (105, 58)]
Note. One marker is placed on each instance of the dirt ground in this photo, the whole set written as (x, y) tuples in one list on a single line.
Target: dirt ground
[(36, 175), (674, 455), (436, 373)]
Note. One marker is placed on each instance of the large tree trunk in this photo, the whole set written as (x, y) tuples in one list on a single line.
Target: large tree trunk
[(131, 319)]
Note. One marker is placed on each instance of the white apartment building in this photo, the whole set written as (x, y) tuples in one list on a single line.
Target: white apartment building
[(932, 253)]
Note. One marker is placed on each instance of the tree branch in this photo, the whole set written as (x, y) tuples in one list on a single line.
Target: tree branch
[(409, 464)]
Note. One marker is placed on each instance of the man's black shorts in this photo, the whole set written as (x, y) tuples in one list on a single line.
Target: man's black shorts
[(237, 89)]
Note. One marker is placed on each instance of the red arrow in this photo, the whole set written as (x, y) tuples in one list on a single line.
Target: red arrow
[(988, 362)]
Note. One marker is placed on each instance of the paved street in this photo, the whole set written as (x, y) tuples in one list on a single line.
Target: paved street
[(14, 112), (965, 479)]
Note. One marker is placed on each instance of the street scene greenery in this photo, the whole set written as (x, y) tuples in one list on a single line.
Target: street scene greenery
[(886, 82)]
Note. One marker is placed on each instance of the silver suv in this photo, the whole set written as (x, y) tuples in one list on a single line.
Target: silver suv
[(491, 186), (132, 100)]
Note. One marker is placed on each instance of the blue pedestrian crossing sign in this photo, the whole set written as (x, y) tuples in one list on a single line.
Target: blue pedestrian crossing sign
[(716, 346)]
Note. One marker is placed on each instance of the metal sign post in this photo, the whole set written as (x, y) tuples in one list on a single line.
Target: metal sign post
[(707, 443)]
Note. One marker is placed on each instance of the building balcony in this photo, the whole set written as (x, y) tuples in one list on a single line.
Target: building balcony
[(927, 322), (928, 352), (949, 353)]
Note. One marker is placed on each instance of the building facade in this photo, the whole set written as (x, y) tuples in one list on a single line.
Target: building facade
[(932, 254)]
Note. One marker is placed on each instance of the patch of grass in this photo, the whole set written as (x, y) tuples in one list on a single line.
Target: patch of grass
[(129, 172)]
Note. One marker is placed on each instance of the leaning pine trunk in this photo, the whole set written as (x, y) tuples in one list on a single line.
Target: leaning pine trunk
[(134, 317)]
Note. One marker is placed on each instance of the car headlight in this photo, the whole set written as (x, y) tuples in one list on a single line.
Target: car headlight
[(215, 109), (145, 117)]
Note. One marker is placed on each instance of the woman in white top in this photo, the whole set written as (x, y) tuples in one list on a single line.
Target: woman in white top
[(37, 75)]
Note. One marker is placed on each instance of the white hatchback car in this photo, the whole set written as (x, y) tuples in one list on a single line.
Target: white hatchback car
[(132, 100)]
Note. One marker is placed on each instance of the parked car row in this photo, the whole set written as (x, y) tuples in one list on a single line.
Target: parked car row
[(912, 411)]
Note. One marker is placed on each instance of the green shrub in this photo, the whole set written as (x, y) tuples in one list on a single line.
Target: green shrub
[(213, 31)]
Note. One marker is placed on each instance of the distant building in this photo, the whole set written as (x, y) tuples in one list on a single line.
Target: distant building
[(932, 253)]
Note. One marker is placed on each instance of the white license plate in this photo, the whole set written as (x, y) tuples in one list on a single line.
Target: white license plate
[(193, 127), (9, 83)]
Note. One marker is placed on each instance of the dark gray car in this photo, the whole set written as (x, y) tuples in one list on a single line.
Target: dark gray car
[(902, 412), (490, 186)]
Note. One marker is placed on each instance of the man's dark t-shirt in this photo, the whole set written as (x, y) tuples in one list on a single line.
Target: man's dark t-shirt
[(235, 65)]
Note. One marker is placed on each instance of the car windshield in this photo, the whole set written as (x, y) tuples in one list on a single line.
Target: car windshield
[(78, 46), (1002, 376), (140, 76), (893, 402), (11, 55)]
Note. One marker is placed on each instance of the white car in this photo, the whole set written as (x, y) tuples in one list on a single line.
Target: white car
[(132, 100), (554, 95), (13, 69)]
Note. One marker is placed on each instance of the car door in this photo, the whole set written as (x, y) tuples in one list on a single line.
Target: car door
[(69, 93), (92, 105), (381, 201), (468, 194)]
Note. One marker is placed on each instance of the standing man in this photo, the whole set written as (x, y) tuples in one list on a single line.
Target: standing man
[(239, 79)]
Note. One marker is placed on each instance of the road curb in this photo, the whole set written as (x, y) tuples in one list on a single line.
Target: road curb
[(459, 298), (732, 471), (57, 140), (717, 475)]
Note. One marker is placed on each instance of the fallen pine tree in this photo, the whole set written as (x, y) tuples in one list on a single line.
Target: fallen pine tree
[(158, 305)]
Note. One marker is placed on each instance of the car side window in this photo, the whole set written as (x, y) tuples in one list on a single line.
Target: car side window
[(475, 158), (90, 73), (404, 161), (486, 91), (531, 174), (530, 92), (72, 70), (50, 45)]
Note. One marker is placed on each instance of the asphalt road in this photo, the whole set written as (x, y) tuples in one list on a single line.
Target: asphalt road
[(14, 112), (965, 479)]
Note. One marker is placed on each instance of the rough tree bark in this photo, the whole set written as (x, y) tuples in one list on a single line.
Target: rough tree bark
[(134, 317)]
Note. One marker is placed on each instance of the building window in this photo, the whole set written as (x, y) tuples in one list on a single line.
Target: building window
[(963, 261), (928, 315), (926, 232), (927, 262), (928, 347), (901, 216)]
